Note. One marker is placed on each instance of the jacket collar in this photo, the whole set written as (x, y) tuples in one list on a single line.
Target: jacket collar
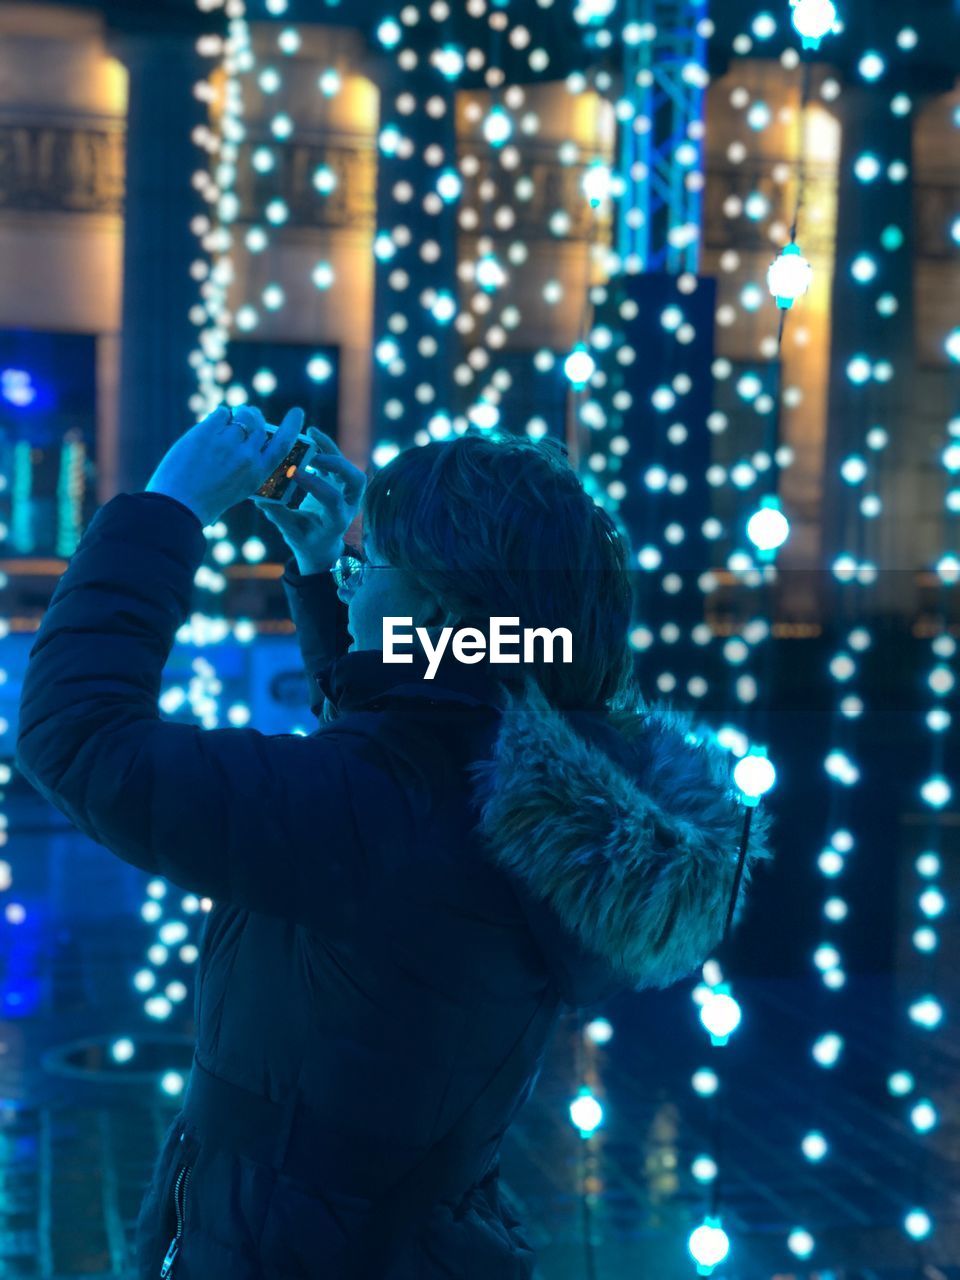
[(361, 678)]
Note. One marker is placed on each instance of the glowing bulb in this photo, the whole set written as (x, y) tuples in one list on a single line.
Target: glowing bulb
[(709, 1245), (586, 1112), (579, 366), (596, 183), (721, 1016), (813, 19), (814, 1146), (800, 1242), (917, 1224), (789, 277), (754, 775), (497, 127), (871, 66), (768, 528)]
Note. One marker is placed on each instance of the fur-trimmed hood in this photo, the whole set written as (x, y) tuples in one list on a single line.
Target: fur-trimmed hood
[(622, 834)]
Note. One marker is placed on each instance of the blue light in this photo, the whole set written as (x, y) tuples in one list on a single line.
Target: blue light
[(579, 366), (768, 528), (586, 1112), (758, 117), (863, 268), (871, 66), (754, 775), (721, 1015), (709, 1245), (449, 61), (813, 19), (800, 1242), (390, 139), (498, 127), (449, 185), (859, 370), (389, 33), (444, 307), (917, 1224), (16, 387), (867, 167)]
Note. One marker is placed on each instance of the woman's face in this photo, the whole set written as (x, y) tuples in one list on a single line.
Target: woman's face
[(384, 592)]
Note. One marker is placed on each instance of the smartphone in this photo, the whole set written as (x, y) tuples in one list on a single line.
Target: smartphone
[(280, 487)]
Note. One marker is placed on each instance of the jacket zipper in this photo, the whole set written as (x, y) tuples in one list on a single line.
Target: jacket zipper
[(180, 1205)]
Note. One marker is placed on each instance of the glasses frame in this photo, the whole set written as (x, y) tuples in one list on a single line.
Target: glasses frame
[(353, 577)]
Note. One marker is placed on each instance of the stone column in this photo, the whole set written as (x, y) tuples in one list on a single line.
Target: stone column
[(156, 380)]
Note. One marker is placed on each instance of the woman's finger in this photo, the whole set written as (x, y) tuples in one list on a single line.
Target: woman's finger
[(325, 441), (328, 494), (354, 481)]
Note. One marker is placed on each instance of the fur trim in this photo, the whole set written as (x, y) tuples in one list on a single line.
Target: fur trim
[(637, 858)]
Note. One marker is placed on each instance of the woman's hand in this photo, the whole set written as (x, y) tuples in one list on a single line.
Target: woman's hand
[(314, 531), (215, 465)]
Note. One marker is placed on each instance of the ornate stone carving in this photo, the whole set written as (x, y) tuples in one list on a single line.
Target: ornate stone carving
[(61, 168)]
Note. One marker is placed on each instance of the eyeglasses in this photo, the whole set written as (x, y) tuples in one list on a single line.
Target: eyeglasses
[(351, 568)]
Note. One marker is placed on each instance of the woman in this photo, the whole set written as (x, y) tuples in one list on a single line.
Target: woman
[(406, 899)]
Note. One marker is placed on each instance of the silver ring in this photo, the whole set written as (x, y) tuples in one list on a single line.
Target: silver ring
[(245, 430)]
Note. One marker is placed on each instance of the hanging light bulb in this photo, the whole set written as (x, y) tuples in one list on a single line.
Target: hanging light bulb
[(754, 775), (497, 127), (579, 366), (708, 1245), (768, 528), (813, 19), (789, 276)]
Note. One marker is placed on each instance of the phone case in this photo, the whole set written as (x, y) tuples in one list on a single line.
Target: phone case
[(280, 488)]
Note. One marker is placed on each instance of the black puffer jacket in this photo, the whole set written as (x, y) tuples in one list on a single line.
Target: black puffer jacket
[(394, 897)]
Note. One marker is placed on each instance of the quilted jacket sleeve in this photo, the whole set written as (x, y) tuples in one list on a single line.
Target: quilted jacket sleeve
[(320, 617), (265, 822)]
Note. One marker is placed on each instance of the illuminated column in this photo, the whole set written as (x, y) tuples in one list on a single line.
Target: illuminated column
[(416, 253), (872, 359), (664, 56), (156, 381)]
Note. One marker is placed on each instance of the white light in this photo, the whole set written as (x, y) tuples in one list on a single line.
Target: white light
[(923, 1116), (389, 32), (497, 127), (932, 903), (599, 1031), (867, 167), (789, 277), (708, 1245), (705, 1082), (813, 19), (814, 1146), (704, 1169), (800, 1242), (918, 1224), (827, 1049), (122, 1050), (171, 1083), (871, 66), (863, 268), (768, 528), (926, 1013), (899, 1083), (586, 1112), (579, 366), (721, 1015), (319, 369), (596, 183), (754, 775), (937, 792)]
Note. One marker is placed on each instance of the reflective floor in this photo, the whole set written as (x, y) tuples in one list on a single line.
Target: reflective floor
[(79, 1131)]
